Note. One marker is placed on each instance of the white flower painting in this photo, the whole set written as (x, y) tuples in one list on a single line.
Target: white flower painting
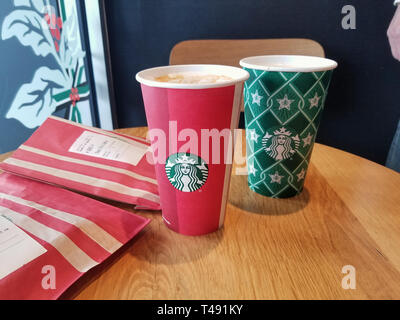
[(38, 25)]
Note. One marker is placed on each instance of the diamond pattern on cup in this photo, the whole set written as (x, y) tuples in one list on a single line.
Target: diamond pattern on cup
[(299, 176), (285, 106), (273, 180), (307, 138), (282, 102)]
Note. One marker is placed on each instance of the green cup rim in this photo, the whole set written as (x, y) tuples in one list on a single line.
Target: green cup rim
[(288, 63)]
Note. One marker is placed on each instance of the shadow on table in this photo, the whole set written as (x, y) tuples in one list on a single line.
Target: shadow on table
[(154, 245), (162, 246), (245, 199)]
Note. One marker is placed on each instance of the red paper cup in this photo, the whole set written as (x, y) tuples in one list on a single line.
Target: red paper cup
[(193, 170)]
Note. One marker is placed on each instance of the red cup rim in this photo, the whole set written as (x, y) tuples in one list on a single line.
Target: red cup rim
[(147, 76)]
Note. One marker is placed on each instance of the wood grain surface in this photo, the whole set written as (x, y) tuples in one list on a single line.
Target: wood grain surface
[(348, 214)]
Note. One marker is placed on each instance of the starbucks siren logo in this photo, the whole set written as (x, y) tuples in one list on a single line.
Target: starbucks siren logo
[(281, 144), (186, 172)]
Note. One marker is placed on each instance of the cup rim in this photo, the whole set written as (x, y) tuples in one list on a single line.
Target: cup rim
[(147, 76), (288, 63)]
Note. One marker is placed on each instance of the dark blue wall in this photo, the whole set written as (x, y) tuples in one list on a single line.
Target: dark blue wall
[(363, 104)]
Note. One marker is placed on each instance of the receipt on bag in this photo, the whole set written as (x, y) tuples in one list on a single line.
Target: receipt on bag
[(102, 146), (16, 248)]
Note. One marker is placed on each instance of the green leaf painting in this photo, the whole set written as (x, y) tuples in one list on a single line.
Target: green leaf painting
[(36, 25)]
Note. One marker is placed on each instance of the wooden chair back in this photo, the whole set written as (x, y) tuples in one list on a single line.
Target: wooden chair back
[(230, 52)]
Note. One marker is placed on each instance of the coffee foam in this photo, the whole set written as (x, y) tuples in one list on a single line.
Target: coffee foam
[(193, 77)]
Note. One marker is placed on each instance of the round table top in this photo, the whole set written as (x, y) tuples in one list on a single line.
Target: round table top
[(343, 230)]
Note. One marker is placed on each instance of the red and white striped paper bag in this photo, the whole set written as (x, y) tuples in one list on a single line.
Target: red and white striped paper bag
[(49, 237), (90, 160)]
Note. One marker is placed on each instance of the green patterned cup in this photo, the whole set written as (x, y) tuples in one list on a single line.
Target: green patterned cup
[(284, 98)]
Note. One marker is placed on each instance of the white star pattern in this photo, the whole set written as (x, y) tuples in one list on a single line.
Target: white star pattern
[(253, 135), (314, 102), (276, 178), (301, 175), (307, 140), (256, 98), (252, 170), (284, 103)]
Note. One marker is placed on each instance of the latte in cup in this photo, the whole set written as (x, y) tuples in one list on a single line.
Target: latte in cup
[(193, 77)]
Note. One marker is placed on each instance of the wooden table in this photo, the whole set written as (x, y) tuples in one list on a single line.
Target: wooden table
[(348, 214)]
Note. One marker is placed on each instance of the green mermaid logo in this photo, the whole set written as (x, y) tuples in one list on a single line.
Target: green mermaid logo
[(186, 172), (281, 144)]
